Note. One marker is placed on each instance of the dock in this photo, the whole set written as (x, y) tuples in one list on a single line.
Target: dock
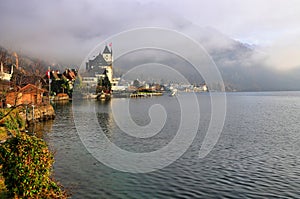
[(145, 94)]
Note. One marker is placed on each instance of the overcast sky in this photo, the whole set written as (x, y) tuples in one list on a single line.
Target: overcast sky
[(66, 30)]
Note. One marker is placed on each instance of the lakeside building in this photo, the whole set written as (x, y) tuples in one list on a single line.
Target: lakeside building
[(29, 94), (100, 65), (98, 68), (60, 82)]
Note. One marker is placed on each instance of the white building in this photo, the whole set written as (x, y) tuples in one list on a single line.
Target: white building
[(90, 81), (100, 66), (6, 76), (101, 63)]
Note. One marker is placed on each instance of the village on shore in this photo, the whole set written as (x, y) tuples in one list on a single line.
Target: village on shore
[(35, 89), (98, 81), (18, 86), (32, 89)]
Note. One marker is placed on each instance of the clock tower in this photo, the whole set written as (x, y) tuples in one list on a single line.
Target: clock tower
[(107, 55)]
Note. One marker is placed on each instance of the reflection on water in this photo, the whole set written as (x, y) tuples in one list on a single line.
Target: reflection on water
[(257, 155), (105, 117), (39, 128)]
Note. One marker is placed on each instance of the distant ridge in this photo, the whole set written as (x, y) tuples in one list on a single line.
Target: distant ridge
[(243, 66)]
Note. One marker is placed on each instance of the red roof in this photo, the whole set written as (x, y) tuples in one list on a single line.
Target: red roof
[(30, 88)]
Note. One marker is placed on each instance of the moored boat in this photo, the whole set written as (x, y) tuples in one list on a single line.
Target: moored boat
[(104, 96)]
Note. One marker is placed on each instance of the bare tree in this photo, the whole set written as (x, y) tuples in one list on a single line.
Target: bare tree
[(3, 56)]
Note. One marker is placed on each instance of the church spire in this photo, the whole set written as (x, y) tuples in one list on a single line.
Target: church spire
[(106, 50)]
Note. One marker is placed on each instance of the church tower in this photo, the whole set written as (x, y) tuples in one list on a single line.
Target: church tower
[(107, 55)]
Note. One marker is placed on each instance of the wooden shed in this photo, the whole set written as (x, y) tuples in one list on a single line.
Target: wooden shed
[(29, 94)]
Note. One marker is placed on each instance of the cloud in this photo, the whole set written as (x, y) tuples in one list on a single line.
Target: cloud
[(65, 31), (283, 54)]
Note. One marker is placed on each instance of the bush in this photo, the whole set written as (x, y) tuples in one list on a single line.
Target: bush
[(13, 121), (26, 167)]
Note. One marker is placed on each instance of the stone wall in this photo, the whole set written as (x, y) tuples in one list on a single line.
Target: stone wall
[(38, 114)]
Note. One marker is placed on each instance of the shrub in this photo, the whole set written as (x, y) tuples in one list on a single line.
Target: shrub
[(26, 167), (13, 121)]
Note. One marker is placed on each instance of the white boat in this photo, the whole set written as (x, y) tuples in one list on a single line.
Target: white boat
[(173, 92)]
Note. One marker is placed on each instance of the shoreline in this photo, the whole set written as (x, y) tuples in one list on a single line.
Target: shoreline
[(23, 117)]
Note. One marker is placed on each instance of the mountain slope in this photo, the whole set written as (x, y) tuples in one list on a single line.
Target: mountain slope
[(242, 67)]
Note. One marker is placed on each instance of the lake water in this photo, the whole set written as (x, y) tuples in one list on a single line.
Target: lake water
[(256, 156)]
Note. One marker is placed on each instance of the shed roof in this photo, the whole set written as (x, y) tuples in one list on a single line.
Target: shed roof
[(30, 88)]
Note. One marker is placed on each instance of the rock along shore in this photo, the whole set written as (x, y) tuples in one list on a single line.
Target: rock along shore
[(38, 114)]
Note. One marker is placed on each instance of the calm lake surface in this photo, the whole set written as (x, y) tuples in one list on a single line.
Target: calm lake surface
[(257, 154)]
